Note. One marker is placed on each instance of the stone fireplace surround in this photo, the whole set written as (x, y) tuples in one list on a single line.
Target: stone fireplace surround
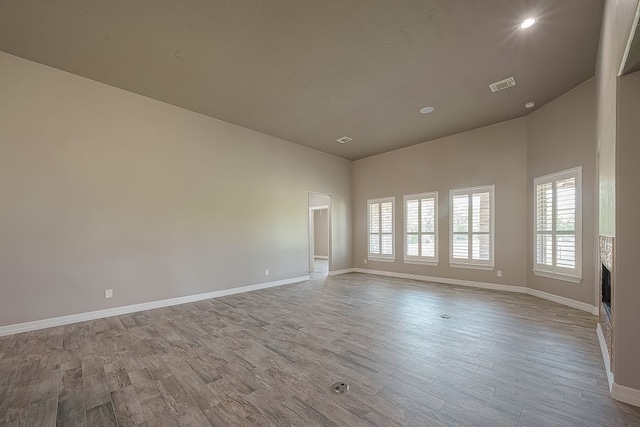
[(606, 318), (606, 321)]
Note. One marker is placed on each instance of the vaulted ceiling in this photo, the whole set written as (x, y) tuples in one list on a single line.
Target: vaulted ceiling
[(312, 71)]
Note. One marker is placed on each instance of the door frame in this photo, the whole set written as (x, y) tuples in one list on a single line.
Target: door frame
[(310, 227)]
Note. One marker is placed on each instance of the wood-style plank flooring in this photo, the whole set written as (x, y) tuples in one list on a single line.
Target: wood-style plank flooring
[(268, 358)]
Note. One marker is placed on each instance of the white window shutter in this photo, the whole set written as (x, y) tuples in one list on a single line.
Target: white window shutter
[(381, 227), (558, 225), (472, 227), (420, 228)]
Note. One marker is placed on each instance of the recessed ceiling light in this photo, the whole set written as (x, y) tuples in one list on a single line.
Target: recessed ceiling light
[(427, 110), (344, 139), (530, 104), (527, 23)]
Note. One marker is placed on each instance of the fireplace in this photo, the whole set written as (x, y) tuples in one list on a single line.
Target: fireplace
[(606, 289)]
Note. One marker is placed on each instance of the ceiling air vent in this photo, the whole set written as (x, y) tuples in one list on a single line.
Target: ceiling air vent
[(344, 139), (502, 84)]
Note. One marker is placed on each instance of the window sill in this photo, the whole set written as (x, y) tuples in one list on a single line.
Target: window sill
[(471, 266), (557, 276), (420, 262), (382, 259)]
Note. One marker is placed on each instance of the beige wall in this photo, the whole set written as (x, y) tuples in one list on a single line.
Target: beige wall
[(560, 136), (626, 295), (490, 155), (317, 199), (617, 132), (321, 232), (102, 188), (510, 155), (616, 26)]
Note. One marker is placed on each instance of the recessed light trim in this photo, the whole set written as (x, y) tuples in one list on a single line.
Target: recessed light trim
[(530, 104), (426, 110), (528, 23), (344, 139)]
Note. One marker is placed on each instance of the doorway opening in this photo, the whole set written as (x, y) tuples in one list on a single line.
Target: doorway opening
[(319, 233)]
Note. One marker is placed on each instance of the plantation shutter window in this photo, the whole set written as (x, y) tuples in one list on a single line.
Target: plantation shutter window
[(558, 225), (381, 228), (472, 227), (421, 228)]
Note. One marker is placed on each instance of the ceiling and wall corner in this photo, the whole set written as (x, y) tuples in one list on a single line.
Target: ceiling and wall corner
[(631, 60), (313, 71)]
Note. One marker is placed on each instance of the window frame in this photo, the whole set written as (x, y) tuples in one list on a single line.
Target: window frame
[(556, 272), (418, 259), (380, 256), (471, 263)]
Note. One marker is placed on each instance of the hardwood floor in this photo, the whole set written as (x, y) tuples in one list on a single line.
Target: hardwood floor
[(269, 357)]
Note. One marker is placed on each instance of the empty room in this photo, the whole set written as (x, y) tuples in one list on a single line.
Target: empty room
[(319, 213)]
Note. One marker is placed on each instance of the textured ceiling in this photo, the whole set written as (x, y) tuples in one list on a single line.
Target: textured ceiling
[(312, 71)]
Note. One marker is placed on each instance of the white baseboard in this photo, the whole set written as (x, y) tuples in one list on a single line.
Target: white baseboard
[(605, 357), (564, 301), (338, 272), (459, 282), (617, 391), (320, 257), (625, 394), (483, 285), (99, 314)]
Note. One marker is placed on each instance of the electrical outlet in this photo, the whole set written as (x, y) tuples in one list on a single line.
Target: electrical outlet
[(266, 272), (499, 273), (108, 293), (365, 260)]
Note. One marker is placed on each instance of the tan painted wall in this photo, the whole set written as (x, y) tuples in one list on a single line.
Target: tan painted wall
[(626, 303), (617, 132), (102, 188), (490, 155), (316, 199), (616, 26), (560, 136), (321, 232)]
